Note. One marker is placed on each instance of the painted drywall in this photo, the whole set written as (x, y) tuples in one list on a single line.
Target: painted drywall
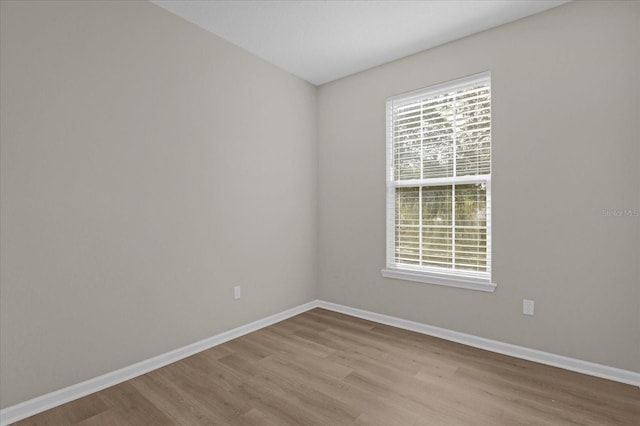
[(565, 93), (147, 168)]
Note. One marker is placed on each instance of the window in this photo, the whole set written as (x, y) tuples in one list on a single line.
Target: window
[(439, 184)]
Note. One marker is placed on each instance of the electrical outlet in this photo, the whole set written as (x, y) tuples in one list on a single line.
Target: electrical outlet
[(527, 306), (237, 292)]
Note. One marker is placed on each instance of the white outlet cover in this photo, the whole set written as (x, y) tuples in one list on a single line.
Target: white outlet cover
[(527, 307)]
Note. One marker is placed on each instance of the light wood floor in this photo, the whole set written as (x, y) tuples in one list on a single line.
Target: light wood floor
[(325, 368)]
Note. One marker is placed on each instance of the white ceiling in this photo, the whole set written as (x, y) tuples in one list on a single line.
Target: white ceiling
[(321, 41)]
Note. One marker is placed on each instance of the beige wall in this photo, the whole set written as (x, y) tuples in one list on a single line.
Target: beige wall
[(566, 147), (147, 168)]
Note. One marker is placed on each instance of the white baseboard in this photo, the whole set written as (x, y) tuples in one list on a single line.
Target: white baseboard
[(39, 404), (585, 367)]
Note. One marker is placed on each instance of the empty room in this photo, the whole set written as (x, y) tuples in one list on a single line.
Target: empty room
[(319, 212)]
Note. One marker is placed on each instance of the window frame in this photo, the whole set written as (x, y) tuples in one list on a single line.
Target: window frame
[(473, 280)]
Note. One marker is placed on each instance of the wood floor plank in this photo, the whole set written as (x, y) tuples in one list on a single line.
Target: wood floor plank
[(113, 417), (329, 369), (135, 407), (72, 412)]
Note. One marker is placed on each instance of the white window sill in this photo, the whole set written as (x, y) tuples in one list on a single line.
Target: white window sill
[(467, 283)]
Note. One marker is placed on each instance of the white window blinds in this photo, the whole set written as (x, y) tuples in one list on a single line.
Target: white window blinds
[(439, 181)]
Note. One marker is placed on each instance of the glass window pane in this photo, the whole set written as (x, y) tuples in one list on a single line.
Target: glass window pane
[(407, 142), (407, 227), (437, 146), (473, 132), (470, 227), (437, 226)]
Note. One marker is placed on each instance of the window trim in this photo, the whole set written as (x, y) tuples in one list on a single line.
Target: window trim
[(422, 277), (439, 276)]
